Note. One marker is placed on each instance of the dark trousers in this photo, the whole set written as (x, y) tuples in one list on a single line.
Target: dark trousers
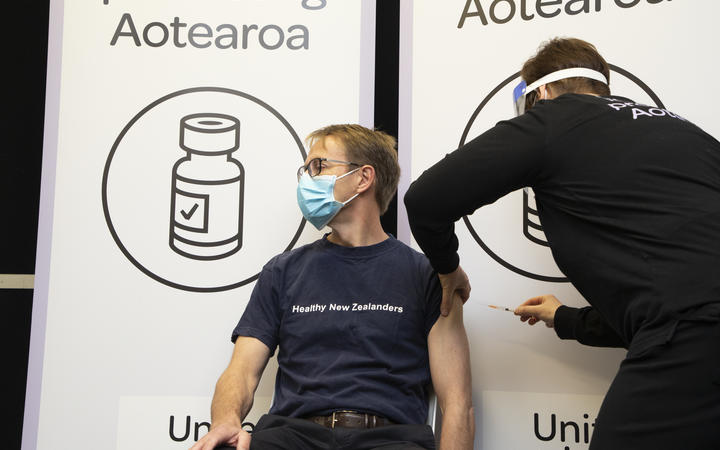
[(667, 396), (286, 433)]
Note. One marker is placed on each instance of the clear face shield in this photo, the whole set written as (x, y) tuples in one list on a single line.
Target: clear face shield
[(524, 96)]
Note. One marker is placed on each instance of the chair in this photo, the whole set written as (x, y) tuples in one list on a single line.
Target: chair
[(434, 417)]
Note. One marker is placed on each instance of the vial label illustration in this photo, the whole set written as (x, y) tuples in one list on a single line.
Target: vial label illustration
[(532, 228), (191, 211), (207, 188)]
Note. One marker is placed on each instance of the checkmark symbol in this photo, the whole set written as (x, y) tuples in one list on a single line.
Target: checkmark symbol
[(189, 214)]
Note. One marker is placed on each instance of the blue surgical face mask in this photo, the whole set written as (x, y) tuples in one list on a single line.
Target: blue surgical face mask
[(316, 198)]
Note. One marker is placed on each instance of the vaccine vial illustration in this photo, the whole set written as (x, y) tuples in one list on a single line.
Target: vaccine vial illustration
[(207, 188), (532, 229)]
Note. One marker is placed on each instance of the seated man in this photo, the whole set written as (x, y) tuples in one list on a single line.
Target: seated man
[(356, 318)]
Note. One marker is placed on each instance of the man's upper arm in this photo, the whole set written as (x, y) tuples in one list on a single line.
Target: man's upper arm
[(449, 353)]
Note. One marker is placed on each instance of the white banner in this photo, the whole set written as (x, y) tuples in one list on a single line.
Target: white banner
[(459, 63), (183, 420), (529, 420), (174, 130)]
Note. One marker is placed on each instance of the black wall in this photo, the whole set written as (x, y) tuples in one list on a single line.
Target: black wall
[(21, 134), (387, 50)]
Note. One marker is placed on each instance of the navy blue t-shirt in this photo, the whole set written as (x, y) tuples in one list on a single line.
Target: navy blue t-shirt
[(351, 324)]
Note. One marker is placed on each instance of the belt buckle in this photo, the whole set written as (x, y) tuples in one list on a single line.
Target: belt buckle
[(335, 419)]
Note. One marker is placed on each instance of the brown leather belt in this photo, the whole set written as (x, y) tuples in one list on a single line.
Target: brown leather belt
[(350, 419)]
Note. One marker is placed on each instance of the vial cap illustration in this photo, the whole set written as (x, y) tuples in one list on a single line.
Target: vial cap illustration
[(210, 134)]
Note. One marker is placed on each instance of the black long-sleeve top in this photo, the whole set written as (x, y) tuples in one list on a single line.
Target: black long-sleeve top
[(628, 196)]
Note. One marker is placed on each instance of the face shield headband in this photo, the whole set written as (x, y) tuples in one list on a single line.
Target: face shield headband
[(522, 89)]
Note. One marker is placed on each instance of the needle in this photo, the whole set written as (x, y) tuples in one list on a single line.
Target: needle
[(501, 308)]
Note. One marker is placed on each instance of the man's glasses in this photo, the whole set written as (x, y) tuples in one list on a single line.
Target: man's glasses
[(315, 166)]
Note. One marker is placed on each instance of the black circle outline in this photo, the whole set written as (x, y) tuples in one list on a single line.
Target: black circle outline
[(474, 115), (122, 135)]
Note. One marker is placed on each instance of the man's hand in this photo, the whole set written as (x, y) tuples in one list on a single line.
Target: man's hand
[(224, 435), (453, 283), (538, 309)]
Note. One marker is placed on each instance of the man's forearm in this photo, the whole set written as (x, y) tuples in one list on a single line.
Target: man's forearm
[(231, 402), (449, 352), (233, 398), (458, 428), (235, 389)]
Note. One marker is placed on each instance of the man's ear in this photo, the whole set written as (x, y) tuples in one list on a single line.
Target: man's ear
[(367, 174), (543, 93)]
